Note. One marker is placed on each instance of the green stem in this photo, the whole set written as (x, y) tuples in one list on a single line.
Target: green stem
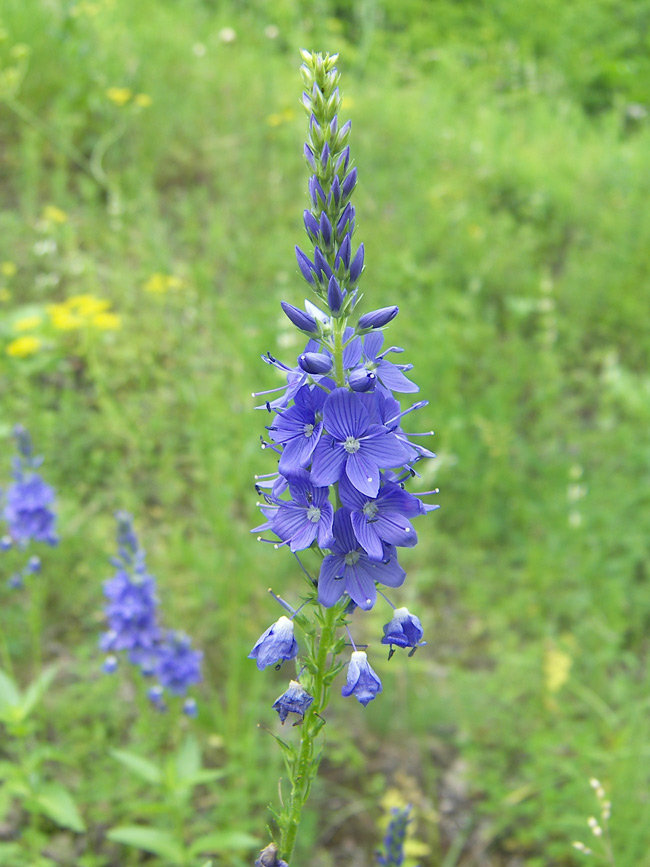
[(339, 328), (303, 769)]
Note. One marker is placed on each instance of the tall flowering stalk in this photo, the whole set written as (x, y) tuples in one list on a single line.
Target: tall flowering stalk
[(342, 460), (131, 612)]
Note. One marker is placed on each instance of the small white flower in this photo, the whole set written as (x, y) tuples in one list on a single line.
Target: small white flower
[(227, 35)]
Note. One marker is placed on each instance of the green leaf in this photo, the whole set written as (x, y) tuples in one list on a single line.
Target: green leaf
[(149, 840), (141, 767), (56, 802), (37, 689), (188, 758), (207, 775), (222, 842), (9, 693)]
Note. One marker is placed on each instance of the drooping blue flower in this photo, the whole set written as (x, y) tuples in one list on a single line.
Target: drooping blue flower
[(296, 700), (353, 445), (393, 854), (349, 569), (362, 681), (275, 645), (384, 518), (404, 630), (177, 665), (269, 857)]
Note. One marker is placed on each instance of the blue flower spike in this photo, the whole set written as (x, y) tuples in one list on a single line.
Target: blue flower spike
[(275, 645), (362, 681)]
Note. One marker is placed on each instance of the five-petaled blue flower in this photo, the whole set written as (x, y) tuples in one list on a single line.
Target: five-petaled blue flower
[(362, 681), (349, 569), (275, 645), (352, 444), (307, 516)]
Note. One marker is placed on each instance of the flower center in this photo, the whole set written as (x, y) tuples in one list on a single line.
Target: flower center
[(308, 430), (313, 514), (351, 558), (370, 510), (351, 445)]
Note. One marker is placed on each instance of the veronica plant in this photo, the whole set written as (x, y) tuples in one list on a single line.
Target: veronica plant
[(131, 611), (342, 460), (27, 508)]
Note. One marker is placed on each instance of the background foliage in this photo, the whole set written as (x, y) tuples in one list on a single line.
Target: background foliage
[(151, 158)]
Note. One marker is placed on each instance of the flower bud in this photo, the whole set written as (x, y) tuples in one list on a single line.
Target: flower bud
[(300, 319), (334, 295), (362, 380), (377, 318), (315, 362), (357, 264), (306, 267)]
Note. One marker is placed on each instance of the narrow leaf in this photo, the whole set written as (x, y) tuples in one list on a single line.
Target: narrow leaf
[(149, 840), (140, 766)]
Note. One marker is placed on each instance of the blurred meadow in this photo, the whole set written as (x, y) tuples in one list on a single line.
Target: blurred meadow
[(151, 191)]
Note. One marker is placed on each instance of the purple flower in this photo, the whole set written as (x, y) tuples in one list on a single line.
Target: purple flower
[(348, 569), (275, 645), (378, 318), (131, 614), (177, 666), (353, 445), (404, 630), (394, 840), (27, 511), (362, 681), (308, 515), (383, 518), (299, 428), (295, 700), (390, 375), (269, 857)]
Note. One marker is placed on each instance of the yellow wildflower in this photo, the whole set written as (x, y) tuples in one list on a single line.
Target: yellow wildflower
[(119, 95), (22, 347), (557, 665), (158, 283), (107, 321), (27, 323), (282, 117), (54, 215), (62, 317), (8, 269), (143, 100), (87, 304)]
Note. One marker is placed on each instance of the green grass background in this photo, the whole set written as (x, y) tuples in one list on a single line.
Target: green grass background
[(504, 201)]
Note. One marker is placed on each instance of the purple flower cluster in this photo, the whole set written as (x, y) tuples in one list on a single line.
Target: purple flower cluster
[(132, 616), (393, 854), (336, 428), (27, 507)]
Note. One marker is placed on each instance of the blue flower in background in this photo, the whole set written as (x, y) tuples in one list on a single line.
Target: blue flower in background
[(393, 854), (28, 511), (275, 645), (362, 682), (132, 615), (177, 666)]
